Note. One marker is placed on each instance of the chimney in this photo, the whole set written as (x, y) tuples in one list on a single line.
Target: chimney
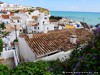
[(73, 39), (30, 35), (60, 28), (45, 29)]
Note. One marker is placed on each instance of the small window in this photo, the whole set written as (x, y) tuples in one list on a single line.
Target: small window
[(47, 28), (43, 22), (34, 27), (45, 18), (54, 27), (7, 22), (38, 23), (18, 21), (12, 20), (38, 27)]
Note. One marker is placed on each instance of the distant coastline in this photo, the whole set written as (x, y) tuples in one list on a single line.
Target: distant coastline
[(77, 11), (91, 18)]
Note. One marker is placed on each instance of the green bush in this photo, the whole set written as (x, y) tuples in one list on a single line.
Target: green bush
[(4, 70), (1, 45), (32, 68), (16, 40), (2, 25), (55, 17)]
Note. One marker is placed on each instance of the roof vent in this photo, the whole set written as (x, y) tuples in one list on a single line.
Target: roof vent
[(30, 35), (73, 39), (45, 29)]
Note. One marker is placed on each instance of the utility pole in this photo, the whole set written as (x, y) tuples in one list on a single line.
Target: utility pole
[(15, 31), (26, 27)]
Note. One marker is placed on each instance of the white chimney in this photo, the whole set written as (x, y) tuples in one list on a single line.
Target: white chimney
[(60, 28), (45, 29), (30, 35), (73, 39)]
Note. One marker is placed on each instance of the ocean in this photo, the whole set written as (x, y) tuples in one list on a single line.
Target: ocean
[(91, 18)]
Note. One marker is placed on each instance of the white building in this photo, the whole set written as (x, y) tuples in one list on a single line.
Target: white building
[(41, 23), (5, 18)]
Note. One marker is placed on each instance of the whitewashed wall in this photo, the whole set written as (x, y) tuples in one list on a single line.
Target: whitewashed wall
[(61, 55), (10, 54), (6, 21), (25, 50), (50, 27), (7, 54)]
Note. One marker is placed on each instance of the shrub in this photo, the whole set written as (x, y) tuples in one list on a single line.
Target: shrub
[(1, 45), (2, 25), (32, 68), (16, 40), (4, 70)]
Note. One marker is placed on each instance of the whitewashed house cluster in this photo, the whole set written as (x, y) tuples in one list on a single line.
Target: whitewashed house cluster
[(68, 22), (40, 23), (13, 6), (35, 46)]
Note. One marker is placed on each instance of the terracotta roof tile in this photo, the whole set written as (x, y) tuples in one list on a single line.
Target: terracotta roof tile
[(10, 28), (11, 14), (43, 44), (5, 16), (22, 10), (35, 17)]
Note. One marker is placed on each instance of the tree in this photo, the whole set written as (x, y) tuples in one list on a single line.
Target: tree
[(2, 25), (1, 45)]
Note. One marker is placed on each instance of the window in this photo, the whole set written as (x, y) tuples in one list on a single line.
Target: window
[(47, 28), (38, 23), (43, 22), (18, 21), (38, 27), (54, 27), (12, 20), (7, 22), (35, 27), (45, 18)]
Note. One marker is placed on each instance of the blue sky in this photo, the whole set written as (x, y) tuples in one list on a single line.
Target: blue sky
[(61, 5)]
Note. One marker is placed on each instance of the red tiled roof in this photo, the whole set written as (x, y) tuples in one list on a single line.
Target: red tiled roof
[(11, 14), (43, 44), (5, 16), (10, 28), (22, 10), (32, 24), (35, 17)]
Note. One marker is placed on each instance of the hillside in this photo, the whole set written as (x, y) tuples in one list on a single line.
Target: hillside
[(1, 2), (31, 9), (43, 10)]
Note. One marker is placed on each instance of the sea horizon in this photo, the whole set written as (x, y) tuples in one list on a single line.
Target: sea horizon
[(76, 11), (91, 18)]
